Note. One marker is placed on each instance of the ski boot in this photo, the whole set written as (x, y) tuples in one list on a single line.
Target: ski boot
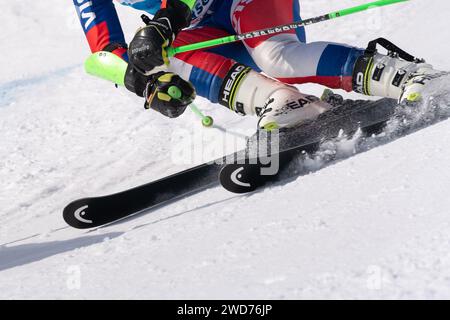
[(277, 104), (397, 75)]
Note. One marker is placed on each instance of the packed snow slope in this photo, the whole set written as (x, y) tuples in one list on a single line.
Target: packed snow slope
[(374, 226)]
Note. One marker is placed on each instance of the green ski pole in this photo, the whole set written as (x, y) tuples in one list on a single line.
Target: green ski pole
[(176, 93), (282, 28), (207, 121)]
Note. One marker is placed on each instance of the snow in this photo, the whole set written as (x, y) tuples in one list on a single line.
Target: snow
[(373, 226)]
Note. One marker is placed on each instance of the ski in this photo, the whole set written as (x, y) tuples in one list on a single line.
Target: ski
[(93, 212), (348, 117), (97, 211), (241, 172), (248, 174)]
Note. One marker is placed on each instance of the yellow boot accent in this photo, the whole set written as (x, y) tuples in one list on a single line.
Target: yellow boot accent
[(271, 126), (414, 97)]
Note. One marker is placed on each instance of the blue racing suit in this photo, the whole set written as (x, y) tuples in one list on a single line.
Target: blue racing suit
[(287, 56)]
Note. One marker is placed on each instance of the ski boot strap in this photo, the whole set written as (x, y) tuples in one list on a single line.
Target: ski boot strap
[(393, 50)]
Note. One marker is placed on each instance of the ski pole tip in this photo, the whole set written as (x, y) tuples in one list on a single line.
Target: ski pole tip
[(207, 121)]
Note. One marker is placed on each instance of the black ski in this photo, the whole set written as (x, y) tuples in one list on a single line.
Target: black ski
[(348, 116), (93, 212), (247, 175), (97, 211)]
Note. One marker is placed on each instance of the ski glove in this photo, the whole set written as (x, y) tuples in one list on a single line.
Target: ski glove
[(163, 91), (148, 49), (168, 94)]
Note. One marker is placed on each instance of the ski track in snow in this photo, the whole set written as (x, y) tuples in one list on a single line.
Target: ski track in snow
[(9, 90), (372, 226)]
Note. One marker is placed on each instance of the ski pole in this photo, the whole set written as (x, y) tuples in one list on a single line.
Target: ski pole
[(207, 121), (108, 66), (278, 29), (176, 93)]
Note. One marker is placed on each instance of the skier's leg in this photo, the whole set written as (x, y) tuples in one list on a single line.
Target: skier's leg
[(204, 69), (238, 87), (286, 57)]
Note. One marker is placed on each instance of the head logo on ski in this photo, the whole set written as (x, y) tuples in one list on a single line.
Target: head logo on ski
[(80, 212), (236, 175)]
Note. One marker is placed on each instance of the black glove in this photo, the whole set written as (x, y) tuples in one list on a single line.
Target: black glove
[(164, 92), (169, 94), (147, 50)]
